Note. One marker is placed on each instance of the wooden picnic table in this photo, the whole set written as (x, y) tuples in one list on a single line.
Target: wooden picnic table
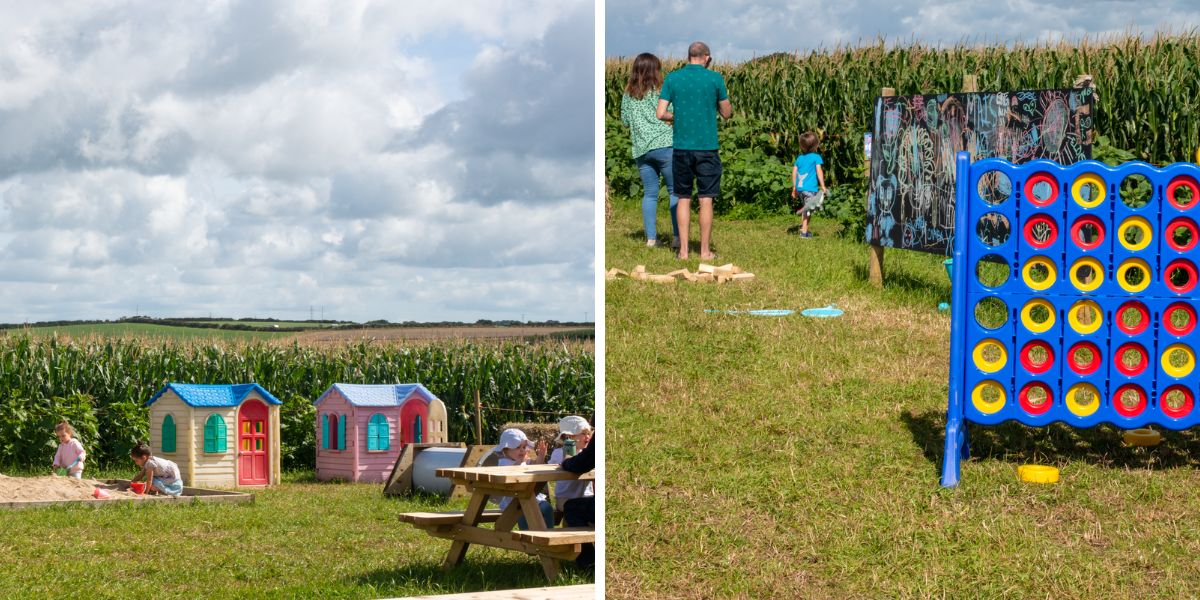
[(521, 482)]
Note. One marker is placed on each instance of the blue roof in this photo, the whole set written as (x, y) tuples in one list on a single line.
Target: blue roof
[(214, 395), (378, 395)]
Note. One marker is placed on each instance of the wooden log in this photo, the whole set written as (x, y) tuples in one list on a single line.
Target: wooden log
[(742, 276), (639, 269), (705, 268), (660, 278), (704, 277), (679, 274)]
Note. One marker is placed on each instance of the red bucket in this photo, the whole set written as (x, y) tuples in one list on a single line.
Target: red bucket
[(138, 487)]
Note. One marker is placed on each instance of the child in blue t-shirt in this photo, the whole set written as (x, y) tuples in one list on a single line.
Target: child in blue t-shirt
[(808, 179)]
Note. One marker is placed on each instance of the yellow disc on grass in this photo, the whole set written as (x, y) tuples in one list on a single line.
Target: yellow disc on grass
[(1027, 315), (1037, 474), (1083, 180), (1180, 351), (1048, 268), (1127, 268), (980, 356), (1083, 399), (1075, 317), (984, 405), (1087, 280), (1142, 437)]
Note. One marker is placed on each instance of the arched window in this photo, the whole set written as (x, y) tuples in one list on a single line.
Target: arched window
[(168, 434), (378, 433), (417, 431), (214, 434), (333, 432)]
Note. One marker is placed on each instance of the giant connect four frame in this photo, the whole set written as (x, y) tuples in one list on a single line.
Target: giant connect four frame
[(1083, 308)]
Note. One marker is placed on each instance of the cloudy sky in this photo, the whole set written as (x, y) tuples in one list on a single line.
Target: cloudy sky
[(740, 29), (395, 160)]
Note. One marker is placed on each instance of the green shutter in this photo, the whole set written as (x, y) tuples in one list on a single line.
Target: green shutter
[(324, 432), (385, 434), (214, 434), (342, 432), (168, 434)]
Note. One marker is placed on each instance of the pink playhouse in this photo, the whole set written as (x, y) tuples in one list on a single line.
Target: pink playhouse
[(362, 428)]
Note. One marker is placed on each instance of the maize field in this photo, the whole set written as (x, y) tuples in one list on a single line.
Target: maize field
[(1148, 104), (101, 385)]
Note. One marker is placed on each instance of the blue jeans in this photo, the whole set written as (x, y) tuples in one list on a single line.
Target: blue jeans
[(650, 166), (547, 516)]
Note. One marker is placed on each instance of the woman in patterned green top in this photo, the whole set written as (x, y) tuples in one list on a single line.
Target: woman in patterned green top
[(651, 141)]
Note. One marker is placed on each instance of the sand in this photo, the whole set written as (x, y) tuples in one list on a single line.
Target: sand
[(52, 487)]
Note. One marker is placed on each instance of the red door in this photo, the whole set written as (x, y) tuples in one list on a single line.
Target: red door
[(252, 444), (415, 413)]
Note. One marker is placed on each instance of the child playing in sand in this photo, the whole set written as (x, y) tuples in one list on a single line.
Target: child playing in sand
[(577, 430), (70, 454), (513, 450), (807, 177), (162, 474)]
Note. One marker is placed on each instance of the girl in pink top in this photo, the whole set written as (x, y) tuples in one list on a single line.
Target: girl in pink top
[(70, 455)]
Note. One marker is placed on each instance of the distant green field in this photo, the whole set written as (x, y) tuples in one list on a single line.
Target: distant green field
[(293, 324), (144, 330)]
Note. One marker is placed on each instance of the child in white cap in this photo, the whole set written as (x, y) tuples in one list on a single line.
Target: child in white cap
[(575, 429), (514, 450)]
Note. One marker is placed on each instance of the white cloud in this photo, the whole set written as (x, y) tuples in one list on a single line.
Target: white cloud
[(254, 158)]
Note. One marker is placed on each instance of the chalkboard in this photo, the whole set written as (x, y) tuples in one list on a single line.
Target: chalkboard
[(910, 202)]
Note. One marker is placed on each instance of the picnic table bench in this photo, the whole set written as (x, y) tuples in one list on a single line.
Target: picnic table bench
[(520, 482)]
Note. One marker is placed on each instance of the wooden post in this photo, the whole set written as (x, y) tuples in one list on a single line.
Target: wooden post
[(478, 419), (875, 256)]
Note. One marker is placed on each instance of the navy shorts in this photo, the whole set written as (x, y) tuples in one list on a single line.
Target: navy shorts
[(702, 165)]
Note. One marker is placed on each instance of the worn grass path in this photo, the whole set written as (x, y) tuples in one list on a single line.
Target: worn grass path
[(790, 457), (301, 539)]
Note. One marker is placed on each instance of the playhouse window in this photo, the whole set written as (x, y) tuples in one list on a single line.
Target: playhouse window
[(168, 434), (335, 430), (417, 431), (214, 434), (378, 433)]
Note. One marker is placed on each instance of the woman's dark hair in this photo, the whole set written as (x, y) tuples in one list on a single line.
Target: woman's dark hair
[(141, 450), (645, 75), (809, 142)]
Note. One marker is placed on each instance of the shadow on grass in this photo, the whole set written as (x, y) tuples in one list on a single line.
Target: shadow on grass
[(468, 577), (1056, 443), (894, 277)]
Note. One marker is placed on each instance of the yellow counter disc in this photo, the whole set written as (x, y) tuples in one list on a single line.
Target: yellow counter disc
[(1037, 473), (1143, 437)]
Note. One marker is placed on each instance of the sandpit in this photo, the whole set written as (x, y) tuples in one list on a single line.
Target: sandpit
[(40, 492), (53, 487)]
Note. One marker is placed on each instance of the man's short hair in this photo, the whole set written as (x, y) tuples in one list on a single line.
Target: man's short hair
[(698, 49)]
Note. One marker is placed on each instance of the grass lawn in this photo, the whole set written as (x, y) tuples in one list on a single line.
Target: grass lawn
[(301, 539), (147, 331), (792, 457)]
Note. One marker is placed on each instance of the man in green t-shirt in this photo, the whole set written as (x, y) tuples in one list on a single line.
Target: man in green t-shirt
[(698, 95)]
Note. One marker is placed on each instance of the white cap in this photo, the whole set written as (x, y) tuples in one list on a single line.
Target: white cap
[(573, 425), (510, 438)]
